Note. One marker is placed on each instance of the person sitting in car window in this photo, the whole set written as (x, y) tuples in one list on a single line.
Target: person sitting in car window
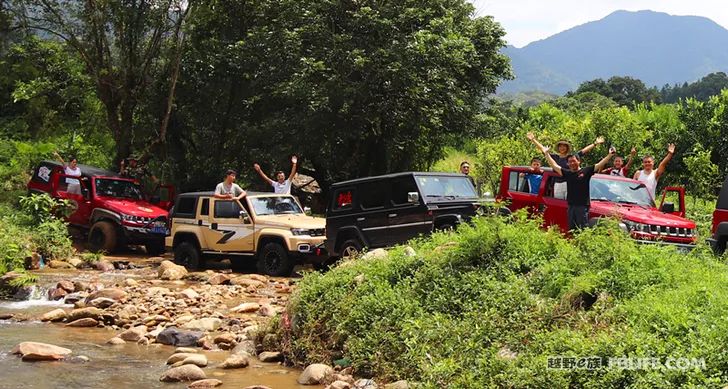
[(534, 176), (71, 169), (228, 189), (281, 185)]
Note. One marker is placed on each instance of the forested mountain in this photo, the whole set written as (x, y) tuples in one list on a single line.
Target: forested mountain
[(654, 47)]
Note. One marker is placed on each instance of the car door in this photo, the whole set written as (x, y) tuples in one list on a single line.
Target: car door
[(520, 195), (229, 231), (372, 220), (554, 209), (78, 197), (406, 219)]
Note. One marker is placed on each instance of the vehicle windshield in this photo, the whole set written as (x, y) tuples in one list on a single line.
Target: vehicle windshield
[(446, 187), (278, 205), (118, 188), (624, 192)]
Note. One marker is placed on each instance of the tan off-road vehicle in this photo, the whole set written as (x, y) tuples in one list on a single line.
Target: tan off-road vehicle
[(264, 229)]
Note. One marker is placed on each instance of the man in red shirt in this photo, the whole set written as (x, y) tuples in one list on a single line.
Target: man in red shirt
[(618, 167)]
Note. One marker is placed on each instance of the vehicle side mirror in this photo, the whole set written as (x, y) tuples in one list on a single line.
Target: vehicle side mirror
[(155, 199), (413, 197), (85, 193), (307, 210), (667, 208), (244, 217)]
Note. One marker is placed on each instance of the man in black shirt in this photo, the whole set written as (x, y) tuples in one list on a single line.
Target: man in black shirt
[(577, 183)]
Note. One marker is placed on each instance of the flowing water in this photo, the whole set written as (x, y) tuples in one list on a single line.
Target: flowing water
[(110, 367)]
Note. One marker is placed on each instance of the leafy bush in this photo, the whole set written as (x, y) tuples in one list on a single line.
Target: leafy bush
[(486, 306), (51, 240), (42, 208), (15, 246)]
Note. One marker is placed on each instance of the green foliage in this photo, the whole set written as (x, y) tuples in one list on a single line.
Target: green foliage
[(702, 173), (92, 257), (25, 279), (701, 90), (15, 245), (450, 315), (42, 208), (625, 91), (51, 240)]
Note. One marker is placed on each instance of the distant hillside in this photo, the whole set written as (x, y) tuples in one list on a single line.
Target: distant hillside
[(654, 47)]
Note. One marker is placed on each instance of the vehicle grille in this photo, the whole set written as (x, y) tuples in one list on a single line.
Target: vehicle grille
[(318, 231), (656, 230)]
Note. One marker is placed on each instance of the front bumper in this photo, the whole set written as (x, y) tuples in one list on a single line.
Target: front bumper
[(682, 247), (310, 252)]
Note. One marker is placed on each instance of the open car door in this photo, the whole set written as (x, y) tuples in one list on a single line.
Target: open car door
[(673, 201)]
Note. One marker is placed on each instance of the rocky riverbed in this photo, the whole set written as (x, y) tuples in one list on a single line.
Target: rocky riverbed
[(204, 329)]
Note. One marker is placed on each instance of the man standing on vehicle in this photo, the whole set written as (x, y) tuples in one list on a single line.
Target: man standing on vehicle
[(577, 182), (228, 189), (619, 168), (281, 185), (564, 148), (648, 176)]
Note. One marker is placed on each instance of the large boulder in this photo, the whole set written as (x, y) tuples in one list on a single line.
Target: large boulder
[(133, 334), (194, 359), (84, 322), (67, 286), (170, 271), (203, 384), (115, 294), (57, 294), (34, 351), (56, 264), (173, 336), (235, 361), (82, 313), (270, 356), (178, 357), (219, 279), (315, 374), (204, 324), (54, 315), (103, 265), (245, 308), (183, 373)]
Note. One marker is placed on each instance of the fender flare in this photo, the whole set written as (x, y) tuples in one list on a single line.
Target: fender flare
[(272, 233), (99, 213), (452, 218)]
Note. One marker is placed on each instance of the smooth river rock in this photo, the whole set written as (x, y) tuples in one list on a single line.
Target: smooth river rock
[(34, 351), (84, 322), (170, 271), (315, 374), (203, 384), (235, 361), (133, 334), (183, 373), (54, 315), (175, 337)]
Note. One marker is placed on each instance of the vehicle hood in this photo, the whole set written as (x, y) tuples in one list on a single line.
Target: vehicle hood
[(134, 208), (640, 215), (291, 221)]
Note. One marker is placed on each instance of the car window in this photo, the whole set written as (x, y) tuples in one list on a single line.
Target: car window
[(227, 209), (185, 207), (275, 205), (118, 188), (343, 199), (400, 188), (448, 187), (518, 182), (373, 195), (205, 207)]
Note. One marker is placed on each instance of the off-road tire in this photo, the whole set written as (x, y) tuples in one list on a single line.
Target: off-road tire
[(445, 227), (154, 249), (350, 248), (102, 237), (187, 255), (273, 260)]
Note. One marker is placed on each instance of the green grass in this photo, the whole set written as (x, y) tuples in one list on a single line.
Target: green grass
[(443, 316)]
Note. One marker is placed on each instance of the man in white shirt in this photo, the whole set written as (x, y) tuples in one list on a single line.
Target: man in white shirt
[(281, 185), (648, 175), (71, 169), (228, 189)]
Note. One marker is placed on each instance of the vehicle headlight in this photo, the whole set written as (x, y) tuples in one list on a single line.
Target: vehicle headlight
[(300, 231), (633, 226)]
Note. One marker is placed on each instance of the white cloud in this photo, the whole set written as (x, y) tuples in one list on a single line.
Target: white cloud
[(526, 21)]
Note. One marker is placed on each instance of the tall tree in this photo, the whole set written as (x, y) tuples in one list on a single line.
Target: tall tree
[(357, 87), (122, 45)]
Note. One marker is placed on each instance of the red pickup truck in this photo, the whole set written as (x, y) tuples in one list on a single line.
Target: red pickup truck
[(611, 196), (113, 210)]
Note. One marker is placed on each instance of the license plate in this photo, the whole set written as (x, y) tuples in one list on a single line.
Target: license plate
[(159, 230)]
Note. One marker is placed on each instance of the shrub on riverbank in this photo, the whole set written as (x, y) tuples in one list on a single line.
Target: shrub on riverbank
[(489, 304)]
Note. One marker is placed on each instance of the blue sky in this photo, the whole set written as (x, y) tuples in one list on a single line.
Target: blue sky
[(526, 21)]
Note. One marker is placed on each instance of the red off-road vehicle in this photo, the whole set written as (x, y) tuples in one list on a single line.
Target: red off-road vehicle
[(111, 209), (611, 196), (720, 221)]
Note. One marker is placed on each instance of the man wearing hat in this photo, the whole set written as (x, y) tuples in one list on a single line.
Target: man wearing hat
[(228, 189), (563, 147)]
